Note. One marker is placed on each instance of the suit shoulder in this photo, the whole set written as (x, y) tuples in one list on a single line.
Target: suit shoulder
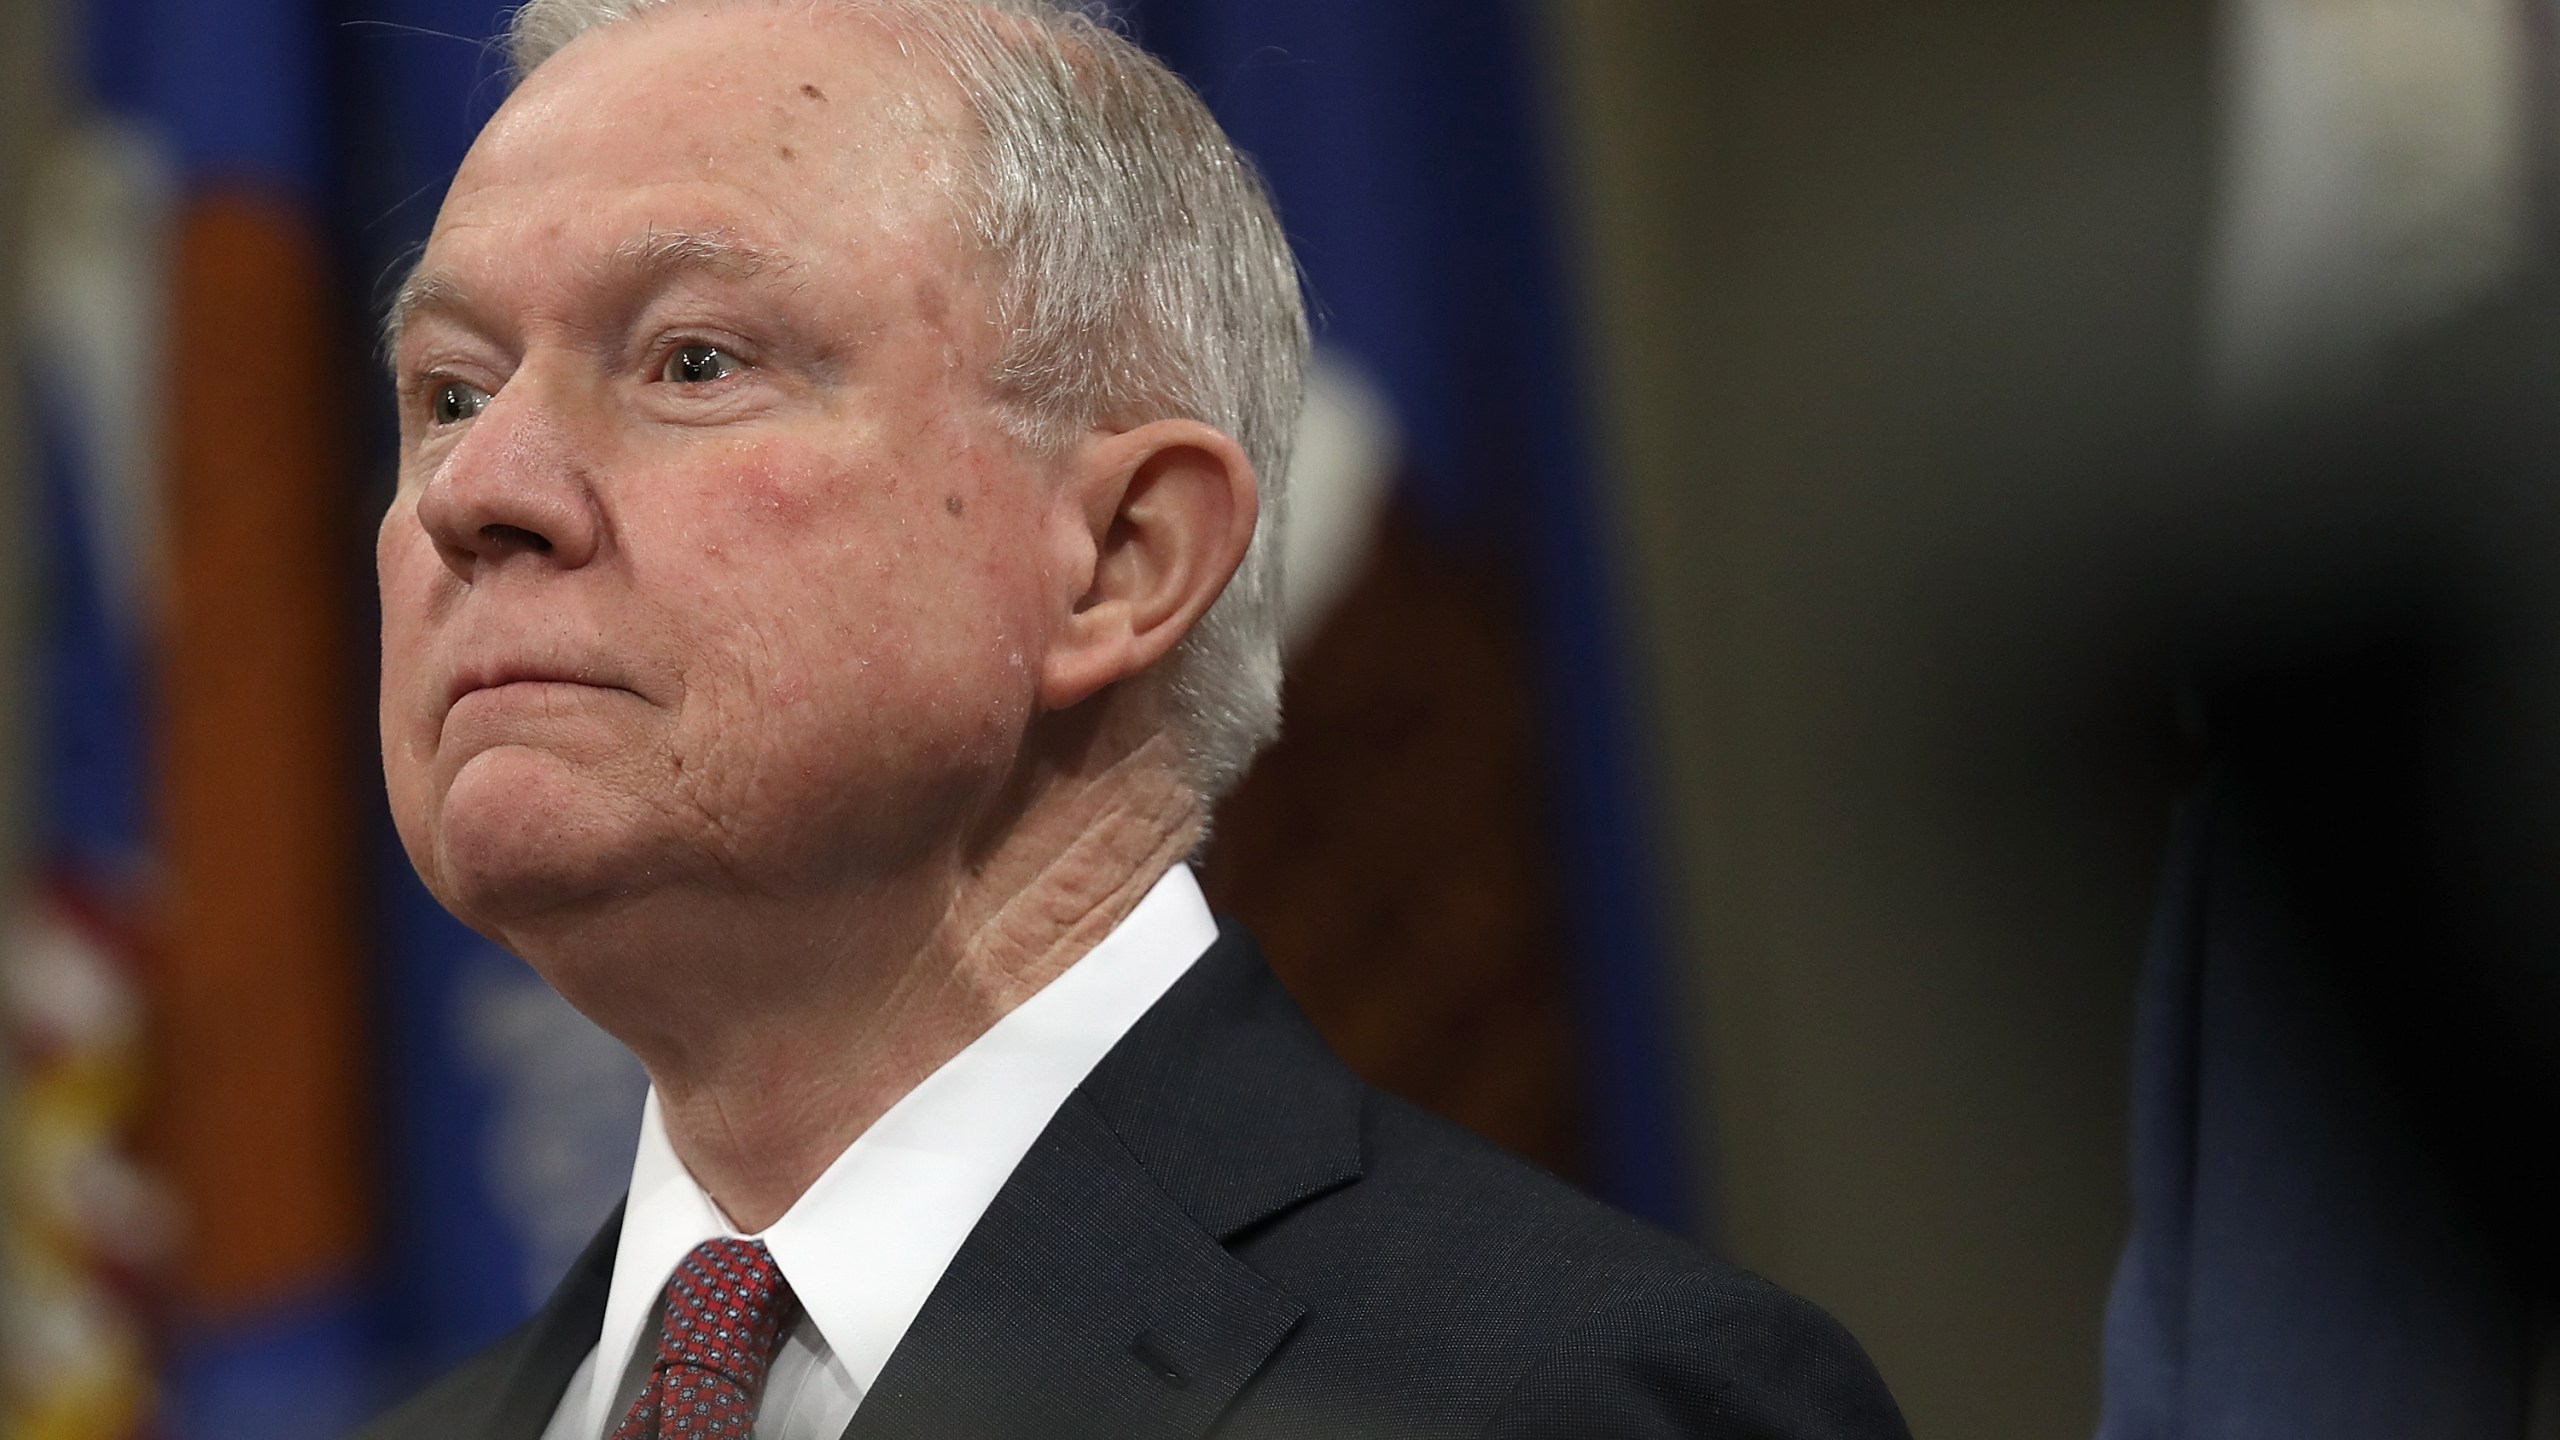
[(1702, 1354), (1459, 1278), (1444, 1176)]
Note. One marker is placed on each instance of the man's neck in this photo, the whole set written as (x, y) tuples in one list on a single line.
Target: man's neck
[(765, 1086)]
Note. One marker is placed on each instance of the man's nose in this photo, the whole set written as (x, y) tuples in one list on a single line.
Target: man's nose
[(516, 489)]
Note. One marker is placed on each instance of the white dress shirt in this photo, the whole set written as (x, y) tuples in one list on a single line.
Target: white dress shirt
[(869, 1240)]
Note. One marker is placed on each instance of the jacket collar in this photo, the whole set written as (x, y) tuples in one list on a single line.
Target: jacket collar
[(1097, 1297), (1227, 1097)]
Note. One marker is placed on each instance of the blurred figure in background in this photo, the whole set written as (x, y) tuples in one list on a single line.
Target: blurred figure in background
[(2348, 1055)]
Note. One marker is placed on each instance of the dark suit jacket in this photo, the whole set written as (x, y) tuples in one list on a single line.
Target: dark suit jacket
[(1225, 1232)]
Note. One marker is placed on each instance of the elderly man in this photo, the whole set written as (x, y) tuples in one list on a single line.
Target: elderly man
[(824, 596)]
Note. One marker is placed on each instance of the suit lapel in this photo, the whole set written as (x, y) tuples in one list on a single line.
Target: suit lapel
[(547, 1352), (1097, 1297), (1084, 1304)]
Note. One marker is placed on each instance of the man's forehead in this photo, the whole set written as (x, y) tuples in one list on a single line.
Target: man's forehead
[(798, 105), (736, 140), (740, 69)]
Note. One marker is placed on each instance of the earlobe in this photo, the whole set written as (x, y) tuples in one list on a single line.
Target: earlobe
[(1167, 510)]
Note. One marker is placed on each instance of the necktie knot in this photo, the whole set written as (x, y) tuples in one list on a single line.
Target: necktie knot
[(724, 1311)]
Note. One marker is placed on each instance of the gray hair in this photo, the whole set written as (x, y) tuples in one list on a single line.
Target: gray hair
[(1142, 275)]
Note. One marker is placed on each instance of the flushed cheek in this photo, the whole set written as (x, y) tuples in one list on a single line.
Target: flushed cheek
[(845, 614), (784, 481), (771, 488)]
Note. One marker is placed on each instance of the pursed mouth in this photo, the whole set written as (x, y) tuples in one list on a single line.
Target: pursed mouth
[(472, 684)]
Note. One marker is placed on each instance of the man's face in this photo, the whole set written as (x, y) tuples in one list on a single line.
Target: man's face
[(711, 565)]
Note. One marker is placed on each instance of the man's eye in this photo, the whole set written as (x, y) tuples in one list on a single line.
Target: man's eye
[(454, 402), (699, 364)]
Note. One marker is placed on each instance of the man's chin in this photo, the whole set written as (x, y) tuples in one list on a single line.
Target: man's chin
[(519, 842)]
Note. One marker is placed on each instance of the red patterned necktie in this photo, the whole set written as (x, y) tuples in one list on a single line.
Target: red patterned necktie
[(725, 1305)]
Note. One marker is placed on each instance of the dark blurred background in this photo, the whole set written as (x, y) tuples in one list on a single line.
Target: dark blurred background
[(1922, 649)]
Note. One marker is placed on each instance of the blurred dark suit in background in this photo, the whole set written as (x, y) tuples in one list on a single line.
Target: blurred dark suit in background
[(2347, 1111)]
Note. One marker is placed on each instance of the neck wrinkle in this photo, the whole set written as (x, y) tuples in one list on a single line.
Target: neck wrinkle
[(760, 1125)]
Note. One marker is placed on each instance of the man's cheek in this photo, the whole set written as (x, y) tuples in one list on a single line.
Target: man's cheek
[(403, 700), (408, 599)]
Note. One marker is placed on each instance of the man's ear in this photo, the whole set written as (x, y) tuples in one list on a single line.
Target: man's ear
[(1158, 519)]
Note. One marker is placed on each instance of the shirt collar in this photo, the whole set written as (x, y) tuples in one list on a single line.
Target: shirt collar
[(866, 1244)]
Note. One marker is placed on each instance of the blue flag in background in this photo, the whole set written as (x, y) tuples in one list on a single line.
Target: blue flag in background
[(206, 694), (1406, 152), (83, 1215)]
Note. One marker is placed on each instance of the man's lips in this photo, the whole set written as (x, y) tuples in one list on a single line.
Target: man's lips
[(476, 681)]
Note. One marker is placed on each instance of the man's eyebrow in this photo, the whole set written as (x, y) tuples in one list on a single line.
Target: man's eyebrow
[(720, 251), (422, 291), (651, 256)]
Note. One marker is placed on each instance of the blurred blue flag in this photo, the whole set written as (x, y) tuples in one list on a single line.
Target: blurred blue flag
[(207, 119), (1411, 164)]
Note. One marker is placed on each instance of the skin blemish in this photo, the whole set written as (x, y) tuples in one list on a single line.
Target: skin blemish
[(813, 92), (934, 300), (786, 152), (952, 504), (768, 485)]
